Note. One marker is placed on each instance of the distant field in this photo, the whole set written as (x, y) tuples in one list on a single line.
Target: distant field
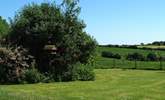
[(109, 85), (125, 51), (106, 63), (152, 47)]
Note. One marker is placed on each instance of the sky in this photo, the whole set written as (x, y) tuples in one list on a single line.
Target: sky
[(112, 21)]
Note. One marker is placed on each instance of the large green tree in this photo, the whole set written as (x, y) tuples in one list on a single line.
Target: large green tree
[(53, 26)]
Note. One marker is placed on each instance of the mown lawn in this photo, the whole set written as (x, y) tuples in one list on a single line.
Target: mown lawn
[(110, 84)]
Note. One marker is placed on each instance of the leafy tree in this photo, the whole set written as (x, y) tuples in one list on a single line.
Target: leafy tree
[(4, 27), (37, 27), (152, 57)]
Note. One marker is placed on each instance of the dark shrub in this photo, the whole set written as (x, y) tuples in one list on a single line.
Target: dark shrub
[(158, 43), (129, 46), (33, 76), (117, 56), (77, 71), (110, 55), (107, 54), (13, 63), (133, 47), (135, 56), (152, 57)]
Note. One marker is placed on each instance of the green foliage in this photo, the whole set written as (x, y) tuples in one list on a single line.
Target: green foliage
[(117, 56), (110, 55), (82, 72), (85, 73), (75, 72), (37, 26), (13, 63), (107, 54), (33, 76), (158, 43), (152, 57), (4, 27)]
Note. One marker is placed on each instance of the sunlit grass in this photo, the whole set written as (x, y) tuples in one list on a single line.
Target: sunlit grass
[(109, 85)]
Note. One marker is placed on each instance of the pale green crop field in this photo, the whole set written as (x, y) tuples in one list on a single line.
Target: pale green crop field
[(152, 47), (110, 84)]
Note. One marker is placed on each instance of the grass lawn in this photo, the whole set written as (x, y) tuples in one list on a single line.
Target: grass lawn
[(110, 84)]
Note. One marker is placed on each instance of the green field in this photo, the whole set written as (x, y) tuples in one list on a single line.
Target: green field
[(152, 47), (125, 51), (110, 84), (107, 63)]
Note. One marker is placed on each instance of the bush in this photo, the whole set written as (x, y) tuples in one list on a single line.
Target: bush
[(107, 54), (47, 78), (79, 72), (135, 56), (85, 73), (117, 56), (152, 57), (13, 63), (33, 76), (111, 55)]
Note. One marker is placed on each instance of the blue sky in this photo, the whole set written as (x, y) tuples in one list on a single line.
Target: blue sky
[(113, 21)]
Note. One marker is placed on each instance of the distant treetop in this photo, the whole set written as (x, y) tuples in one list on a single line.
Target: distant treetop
[(4, 27)]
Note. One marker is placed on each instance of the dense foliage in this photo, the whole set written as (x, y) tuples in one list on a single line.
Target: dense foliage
[(158, 43), (33, 76), (4, 27), (152, 57), (13, 63), (55, 36), (111, 55), (135, 56)]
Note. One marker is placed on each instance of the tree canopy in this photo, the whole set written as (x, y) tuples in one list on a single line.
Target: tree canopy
[(37, 26), (4, 27)]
